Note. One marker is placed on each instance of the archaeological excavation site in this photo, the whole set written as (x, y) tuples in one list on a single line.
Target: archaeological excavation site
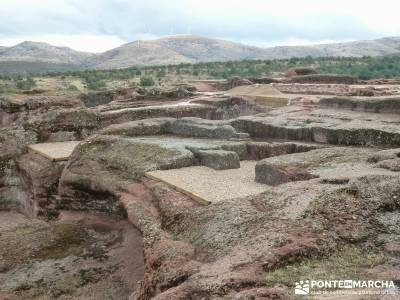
[(207, 189)]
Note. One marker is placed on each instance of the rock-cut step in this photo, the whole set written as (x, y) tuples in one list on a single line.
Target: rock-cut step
[(58, 151)]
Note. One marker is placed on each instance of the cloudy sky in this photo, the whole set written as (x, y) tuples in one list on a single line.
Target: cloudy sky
[(99, 25)]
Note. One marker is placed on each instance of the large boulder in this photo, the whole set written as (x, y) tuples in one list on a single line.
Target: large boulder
[(275, 174), (219, 159)]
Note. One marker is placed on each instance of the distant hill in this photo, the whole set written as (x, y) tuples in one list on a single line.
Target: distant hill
[(34, 51), (192, 49), (174, 50), (379, 47), (138, 53), (180, 49)]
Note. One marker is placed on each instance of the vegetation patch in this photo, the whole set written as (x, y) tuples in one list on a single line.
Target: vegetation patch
[(67, 239), (348, 262)]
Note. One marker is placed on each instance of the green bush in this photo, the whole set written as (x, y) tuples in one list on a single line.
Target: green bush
[(146, 81), (72, 88), (25, 84), (361, 67), (161, 73)]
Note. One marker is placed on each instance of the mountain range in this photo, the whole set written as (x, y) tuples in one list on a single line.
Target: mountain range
[(175, 50)]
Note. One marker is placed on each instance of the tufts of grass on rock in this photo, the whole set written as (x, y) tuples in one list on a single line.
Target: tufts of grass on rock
[(348, 262)]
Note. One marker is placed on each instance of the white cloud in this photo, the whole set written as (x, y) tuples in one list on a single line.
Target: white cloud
[(94, 24)]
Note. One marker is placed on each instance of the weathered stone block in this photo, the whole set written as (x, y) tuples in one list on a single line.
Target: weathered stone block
[(141, 127), (219, 159), (384, 155), (390, 164), (373, 105), (196, 127), (273, 174)]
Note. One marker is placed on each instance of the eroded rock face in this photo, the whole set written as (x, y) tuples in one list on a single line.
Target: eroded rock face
[(12, 144), (196, 127), (90, 173), (16, 108), (324, 78), (156, 126), (138, 95), (374, 105), (78, 123), (40, 178), (261, 150), (174, 111), (320, 130), (263, 80)]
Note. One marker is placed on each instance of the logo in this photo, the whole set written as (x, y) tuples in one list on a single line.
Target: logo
[(348, 286), (302, 287)]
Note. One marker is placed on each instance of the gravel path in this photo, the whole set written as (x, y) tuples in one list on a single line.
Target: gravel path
[(209, 185)]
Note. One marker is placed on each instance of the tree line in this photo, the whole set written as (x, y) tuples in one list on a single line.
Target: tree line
[(387, 67)]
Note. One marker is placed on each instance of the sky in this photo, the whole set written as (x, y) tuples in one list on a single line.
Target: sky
[(100, 25)]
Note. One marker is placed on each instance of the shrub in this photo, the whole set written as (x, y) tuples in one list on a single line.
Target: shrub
[(146, 81), (25, 84), (72, 87)]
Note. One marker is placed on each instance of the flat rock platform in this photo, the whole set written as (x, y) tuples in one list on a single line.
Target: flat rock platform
[(57, 151)]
